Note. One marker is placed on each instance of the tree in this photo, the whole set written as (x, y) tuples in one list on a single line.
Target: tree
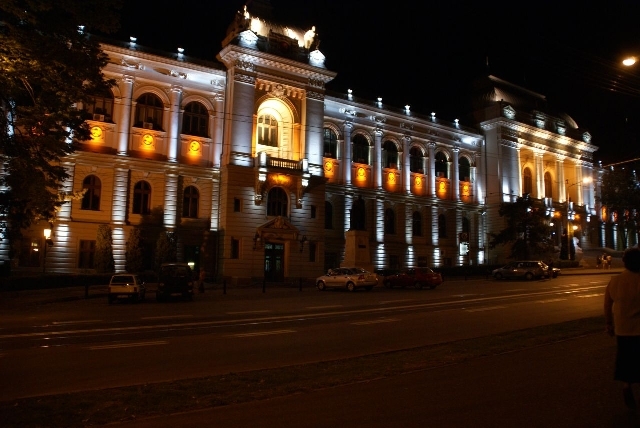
[(527, 230), (47, 64), (166, 249), (104, 250), (621, 195), (134, 253)]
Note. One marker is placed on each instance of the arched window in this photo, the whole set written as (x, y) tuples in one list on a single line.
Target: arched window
[(91, 198), (100, 106), (389, 155), (360, 150), (389, 221), (328, 215), (441, 165), (195, 120), (141, 198), (417, 223), (416, 160), (190, 202), (330, 143), (149, 112), (267, 130), (527, 185), (277, 202), (548, 189), (464, 169), (442, 226)]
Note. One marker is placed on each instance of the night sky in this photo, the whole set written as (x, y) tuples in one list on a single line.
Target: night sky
[(427, 55)]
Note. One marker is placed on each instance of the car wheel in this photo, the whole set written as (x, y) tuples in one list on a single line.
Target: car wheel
[(555, 275), (498, 275), (418, 285), (529, 276), (321, 286), (351, 286)]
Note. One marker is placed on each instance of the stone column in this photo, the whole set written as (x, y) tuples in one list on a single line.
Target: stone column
[(174, 123), (455, 175), (539, 175), (216, 133), (123, 121), (562, 194), (171, 199), (431, 171), (406, 163), (346, 165), (377, 161)]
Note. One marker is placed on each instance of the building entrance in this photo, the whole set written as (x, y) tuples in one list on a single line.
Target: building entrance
[(273, 262)]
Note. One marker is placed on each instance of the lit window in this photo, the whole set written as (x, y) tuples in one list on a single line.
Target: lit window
[(441, 165), (527, 185), (149, 112), (416, 160), (464, 169), (389, 155), (99, 107), (360, 149), (277, 202), (267, 131), (330, 144)]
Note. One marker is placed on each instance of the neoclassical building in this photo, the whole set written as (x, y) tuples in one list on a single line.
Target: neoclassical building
[(259, 172)]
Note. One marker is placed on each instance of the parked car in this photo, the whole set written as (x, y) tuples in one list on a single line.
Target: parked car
[(417, 277), (527, 269), (126, 286), (175, 279), (554, 271), (347, 277)]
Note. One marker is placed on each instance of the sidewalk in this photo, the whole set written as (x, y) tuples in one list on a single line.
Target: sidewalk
[(562, 385)]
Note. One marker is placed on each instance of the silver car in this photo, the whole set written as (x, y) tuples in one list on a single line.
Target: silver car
[(349, 278)]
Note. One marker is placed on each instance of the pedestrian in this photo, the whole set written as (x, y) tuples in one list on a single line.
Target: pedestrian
[(609, 261), (599, 262), (622, 315)]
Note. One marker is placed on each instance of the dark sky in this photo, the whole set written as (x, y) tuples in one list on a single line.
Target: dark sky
[(427, 55)]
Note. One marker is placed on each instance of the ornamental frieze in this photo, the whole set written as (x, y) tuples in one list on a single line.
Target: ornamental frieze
[(245, 65), (315, 95), (243, 78)]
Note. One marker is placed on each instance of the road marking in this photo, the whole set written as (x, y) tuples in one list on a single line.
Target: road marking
[(591, 295), (248, 312), (488, 308), (374, 321), (127, 345), (167, 317), (261, 333), (74, 322), (384, 302), (324, 307), (550, 300)]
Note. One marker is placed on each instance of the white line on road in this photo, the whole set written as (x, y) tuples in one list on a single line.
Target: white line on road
[(591, 295), (550, 300), (261, 333), (488, 308), (385, 302), (248, 312), (324, 307), (74, 322), (374, 321), (127, 345), (167, 317)]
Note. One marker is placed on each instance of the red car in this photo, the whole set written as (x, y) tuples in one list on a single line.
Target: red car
[(417, 277)]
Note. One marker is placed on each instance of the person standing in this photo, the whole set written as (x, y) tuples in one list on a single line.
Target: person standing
[(622, 315)]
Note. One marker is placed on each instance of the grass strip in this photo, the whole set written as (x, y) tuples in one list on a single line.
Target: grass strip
[(100, 407)]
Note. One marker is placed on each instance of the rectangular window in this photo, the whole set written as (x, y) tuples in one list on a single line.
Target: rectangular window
[(312, 251), (235, 248), (313, 211), (236, 205), (87, 254)]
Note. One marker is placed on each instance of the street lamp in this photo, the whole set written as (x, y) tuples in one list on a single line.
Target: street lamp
[(47, 242)]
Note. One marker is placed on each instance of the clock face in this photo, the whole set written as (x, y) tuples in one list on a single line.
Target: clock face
[(147, 139), (96, 132), (328, 166), (194, 146)]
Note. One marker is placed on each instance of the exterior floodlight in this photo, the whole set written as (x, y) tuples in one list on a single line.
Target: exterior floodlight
[(629, 61)]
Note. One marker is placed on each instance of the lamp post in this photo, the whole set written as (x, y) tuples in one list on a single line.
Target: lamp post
[(47, 239)]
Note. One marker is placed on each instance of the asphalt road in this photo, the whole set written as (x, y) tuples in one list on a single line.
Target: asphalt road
[(51, 343)]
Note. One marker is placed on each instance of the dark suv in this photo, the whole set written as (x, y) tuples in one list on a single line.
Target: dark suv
[(176, 279), (418, 277)]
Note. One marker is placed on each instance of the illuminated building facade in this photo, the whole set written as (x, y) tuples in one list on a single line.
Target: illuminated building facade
[(256, 169)]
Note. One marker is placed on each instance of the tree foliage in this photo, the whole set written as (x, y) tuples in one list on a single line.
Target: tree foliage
[(103, 261), (47, 65), (166, 249), (526, 231), (134, 252), (620, 193)]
